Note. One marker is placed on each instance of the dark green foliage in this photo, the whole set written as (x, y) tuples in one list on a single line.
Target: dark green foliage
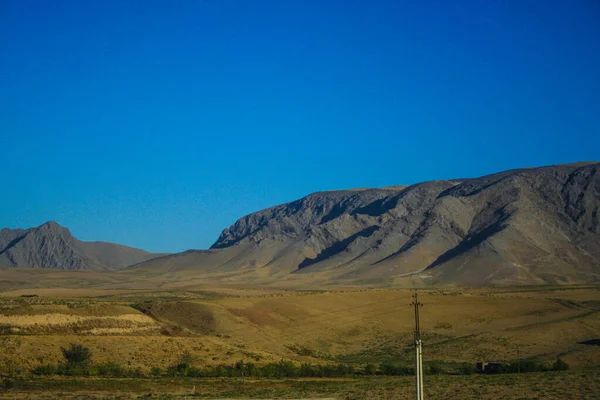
[(282, 369), (110, 369), (182, 368), (435, 368), (525, 365), (76, 355), (307, 370), (560, 365), (466, 369), (74, 370), (286, 368), (48, 369), (370, 369), (8, 384), (395, 370), (5, 329), (172, 371)]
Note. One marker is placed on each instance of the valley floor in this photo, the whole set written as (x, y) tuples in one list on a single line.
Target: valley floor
[(144, 333)]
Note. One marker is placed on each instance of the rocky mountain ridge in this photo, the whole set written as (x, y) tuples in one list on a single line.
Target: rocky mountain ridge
[(52, 246), (526, 226), (538, 225)]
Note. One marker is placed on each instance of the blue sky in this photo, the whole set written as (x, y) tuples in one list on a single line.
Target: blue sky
[(157, 124)]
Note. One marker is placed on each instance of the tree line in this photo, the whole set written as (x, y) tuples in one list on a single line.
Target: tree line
[(77, 362)]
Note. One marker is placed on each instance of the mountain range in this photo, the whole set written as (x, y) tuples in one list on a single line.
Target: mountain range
[(525, 226), (52, 246)]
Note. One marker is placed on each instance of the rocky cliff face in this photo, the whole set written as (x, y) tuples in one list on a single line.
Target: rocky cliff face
[(536, 225), (52, 246)]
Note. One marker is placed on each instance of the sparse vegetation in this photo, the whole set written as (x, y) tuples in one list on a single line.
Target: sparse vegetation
[(351, 337), (547, 385), (76, 355), (560, 365)]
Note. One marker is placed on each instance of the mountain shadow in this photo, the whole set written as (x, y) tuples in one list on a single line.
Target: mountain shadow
[(338, 247)]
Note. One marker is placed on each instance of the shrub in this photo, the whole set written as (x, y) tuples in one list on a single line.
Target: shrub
[(307, 370), (73, 370), (526, 365), (560, 365), (435, 368), (387, 369), (156, 371), (5, 329), (48, 369), (287, 369), (195, 372), (111, 369), (530, 366), (76, 354), (467, 369), (370, 369), (395, 370)]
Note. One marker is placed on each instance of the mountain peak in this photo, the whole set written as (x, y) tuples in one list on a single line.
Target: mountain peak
[(51, 224), (51, 245), (53, 227)]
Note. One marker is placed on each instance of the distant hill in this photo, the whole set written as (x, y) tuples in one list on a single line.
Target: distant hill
[(526, 226), (52, 246)]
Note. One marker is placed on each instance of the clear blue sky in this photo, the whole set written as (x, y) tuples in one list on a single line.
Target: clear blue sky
[(156, 124)]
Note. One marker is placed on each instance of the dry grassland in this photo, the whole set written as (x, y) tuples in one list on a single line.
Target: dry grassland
[(152, 329)]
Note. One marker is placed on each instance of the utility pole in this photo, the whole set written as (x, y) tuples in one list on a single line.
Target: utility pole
[(418, 350)]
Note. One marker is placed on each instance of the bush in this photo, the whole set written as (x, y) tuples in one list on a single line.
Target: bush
[(8, 384), (156, 371), (526, 365), (370, 369), (48, 369), (467, 369), (73, 370), (172, 371), (308, 370), (5, 329), (435, 368), (560, 365), (182, 368), (110, 369), (395, 370), (287, 369), (76, 354)]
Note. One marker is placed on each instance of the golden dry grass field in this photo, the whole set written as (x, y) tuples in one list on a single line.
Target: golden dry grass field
[(154, 329)]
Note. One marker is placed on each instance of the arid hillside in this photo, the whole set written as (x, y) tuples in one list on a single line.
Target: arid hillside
[(150, 329), (527, 226), (52, 246)]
